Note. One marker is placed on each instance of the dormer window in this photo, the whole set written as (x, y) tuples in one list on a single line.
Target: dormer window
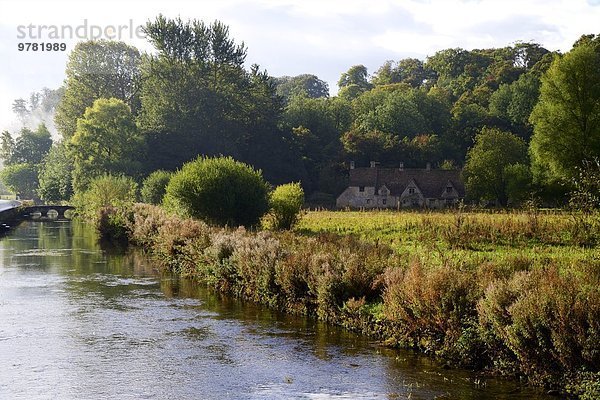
[(448, 189), (411, 190)]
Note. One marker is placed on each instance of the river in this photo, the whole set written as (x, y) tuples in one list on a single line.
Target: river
[(81, 322)]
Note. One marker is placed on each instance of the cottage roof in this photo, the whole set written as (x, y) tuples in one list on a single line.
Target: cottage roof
[(431, 182)]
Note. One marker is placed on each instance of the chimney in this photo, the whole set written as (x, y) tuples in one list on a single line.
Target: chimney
[(428, 167), (374, 164), (401, 168), (352, 165)]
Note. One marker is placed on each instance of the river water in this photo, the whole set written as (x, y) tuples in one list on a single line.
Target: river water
[(81, 322)]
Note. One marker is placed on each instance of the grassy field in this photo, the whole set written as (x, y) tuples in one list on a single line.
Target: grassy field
[(543, 237)]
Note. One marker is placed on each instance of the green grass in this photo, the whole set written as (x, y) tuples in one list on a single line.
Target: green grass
[(474, 237)]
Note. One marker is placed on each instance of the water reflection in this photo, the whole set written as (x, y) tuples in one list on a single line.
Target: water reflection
[(81, 322)]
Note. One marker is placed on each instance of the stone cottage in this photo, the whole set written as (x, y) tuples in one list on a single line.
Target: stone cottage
[(377, 187)]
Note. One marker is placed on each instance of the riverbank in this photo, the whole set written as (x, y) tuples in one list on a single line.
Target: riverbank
[(517, 316)]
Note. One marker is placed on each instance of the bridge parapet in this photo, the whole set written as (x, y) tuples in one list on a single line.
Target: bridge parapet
[(29, 211)]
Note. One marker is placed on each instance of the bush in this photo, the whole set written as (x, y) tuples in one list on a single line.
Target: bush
[(155, 186), (112, 225), (549, 320), (286, 203), (106, 191), (220, 190), (435, 309)]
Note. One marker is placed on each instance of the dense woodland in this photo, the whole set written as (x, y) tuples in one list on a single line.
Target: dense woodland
[(521, 121)]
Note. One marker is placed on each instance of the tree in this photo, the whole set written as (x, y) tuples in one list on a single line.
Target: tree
[(7, 146), (106, 141), (316, 126), (197, 99), (409, 70), (220, 190), (354, 82), (20, 108), (97, 69), (309, 85), (29, 147), (21, 179), (154, 186), (585, 195), (514, 103), (194, 92), (40, 107), (365, 146), (566, 119), (32, 146), (56, 175), (490, 173)]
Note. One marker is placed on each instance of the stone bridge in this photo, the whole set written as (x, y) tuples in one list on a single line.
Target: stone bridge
[(13, 211), (45, 212)]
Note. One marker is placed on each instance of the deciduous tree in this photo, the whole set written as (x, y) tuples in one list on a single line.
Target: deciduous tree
[(490, 173), (98, 69), (566, 119), (106, 141)]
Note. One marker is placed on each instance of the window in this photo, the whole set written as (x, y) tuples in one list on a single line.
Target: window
[(361, 188), (384, 202), (411, 190), (449, 189)]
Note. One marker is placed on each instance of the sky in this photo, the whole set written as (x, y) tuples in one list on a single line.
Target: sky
[(287, 37)]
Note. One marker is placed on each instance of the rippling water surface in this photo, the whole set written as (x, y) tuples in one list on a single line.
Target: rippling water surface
[(80, 322)]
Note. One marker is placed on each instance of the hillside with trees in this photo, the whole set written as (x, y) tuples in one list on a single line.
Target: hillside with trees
[(121, 111)]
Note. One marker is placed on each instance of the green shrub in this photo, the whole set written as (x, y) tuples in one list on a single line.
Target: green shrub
[(220, 190), (105, 191), (112, 224), (155, 186), (286, 203)]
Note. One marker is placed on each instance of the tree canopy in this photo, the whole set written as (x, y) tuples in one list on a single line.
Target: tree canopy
[(494, 167), (194, 96), (106, 141), (97, 69), (566, 118)]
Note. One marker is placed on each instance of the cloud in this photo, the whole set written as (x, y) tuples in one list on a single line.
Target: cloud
[(290, 37)]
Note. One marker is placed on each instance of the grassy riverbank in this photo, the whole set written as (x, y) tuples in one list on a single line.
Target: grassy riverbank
[(428, 281)]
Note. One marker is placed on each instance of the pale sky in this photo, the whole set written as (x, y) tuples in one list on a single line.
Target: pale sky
[(291, 37)]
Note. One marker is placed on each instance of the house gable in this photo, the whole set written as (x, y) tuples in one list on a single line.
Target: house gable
[(412, 195), (384, 191), (449, 191)]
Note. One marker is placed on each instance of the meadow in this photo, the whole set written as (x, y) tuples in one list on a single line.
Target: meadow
[(543, 236)]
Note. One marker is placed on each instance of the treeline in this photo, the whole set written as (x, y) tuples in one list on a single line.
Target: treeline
[(123, 112)]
